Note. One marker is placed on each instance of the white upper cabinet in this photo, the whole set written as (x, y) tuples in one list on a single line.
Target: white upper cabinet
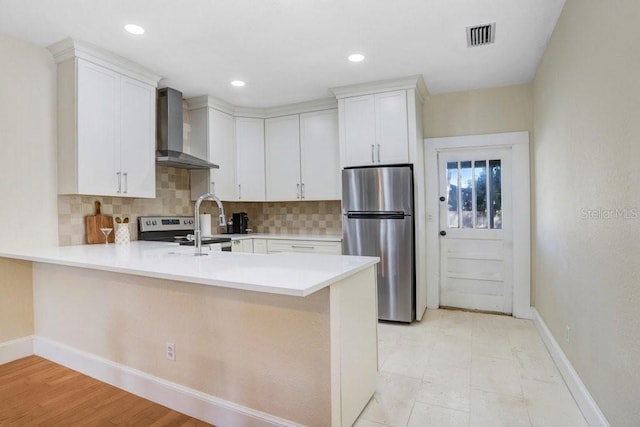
[(392, 141), (106, 124), (137, 138), (216, 131), (282, 148), (320, 155), (375, 129), (250, 170), (302, 157), (98, 153), (360, 130)]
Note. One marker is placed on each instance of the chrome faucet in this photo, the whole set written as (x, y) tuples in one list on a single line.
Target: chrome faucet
[(197, 233)]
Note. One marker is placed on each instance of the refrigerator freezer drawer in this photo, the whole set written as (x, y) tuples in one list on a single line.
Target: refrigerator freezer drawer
[(392, 241)]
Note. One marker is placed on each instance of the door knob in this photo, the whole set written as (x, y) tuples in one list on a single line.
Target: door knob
[(443, 233), (442, 198)]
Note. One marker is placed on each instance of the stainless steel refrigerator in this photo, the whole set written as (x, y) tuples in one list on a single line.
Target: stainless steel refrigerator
[(377, 209)]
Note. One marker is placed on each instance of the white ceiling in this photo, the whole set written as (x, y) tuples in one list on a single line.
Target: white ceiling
[(295, 50)]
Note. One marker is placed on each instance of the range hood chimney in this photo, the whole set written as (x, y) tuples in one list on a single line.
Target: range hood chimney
[(170, 144)]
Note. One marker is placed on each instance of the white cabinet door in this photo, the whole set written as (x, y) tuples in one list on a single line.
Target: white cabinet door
[(260, 246), (250, 159), (360, 130), (98, 157), (392, 141), (242, 245), (320, 155), (222, 152), (282, 150), (137, 138), (214, 132)]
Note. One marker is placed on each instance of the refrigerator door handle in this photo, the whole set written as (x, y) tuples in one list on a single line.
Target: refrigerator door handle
[(376, 215)]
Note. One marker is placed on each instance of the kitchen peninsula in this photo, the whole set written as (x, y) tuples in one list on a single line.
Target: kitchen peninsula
[(280, 339)]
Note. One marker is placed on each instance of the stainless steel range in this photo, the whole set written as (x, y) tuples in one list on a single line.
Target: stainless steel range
[(175, 229)]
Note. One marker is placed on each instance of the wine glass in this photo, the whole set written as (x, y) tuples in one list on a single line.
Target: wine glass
[(106, 231)]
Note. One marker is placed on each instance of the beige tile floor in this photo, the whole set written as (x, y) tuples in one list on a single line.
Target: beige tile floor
[(458, 368)]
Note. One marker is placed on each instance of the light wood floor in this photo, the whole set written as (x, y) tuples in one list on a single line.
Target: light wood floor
[(37, 392)]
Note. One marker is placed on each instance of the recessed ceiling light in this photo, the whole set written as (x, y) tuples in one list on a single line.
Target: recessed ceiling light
[(134, 29), (356, 57), (237, 83)]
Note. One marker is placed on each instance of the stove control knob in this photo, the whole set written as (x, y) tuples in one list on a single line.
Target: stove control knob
[(154, 222), (148, 222)]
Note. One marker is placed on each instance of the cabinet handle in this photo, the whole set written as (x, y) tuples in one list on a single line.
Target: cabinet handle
[(119, 182), (302, 191), (378, 153), (302, 247), (298, 191), (126, 182), (213, 187), (373, 160), (239, 191)]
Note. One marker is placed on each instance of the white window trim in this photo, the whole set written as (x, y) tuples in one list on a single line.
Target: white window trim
[(521, 200)]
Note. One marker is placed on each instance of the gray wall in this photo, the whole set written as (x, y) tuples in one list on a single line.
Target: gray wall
[(586, 163)]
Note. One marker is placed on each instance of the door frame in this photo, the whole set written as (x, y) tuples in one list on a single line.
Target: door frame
[(518, 142)]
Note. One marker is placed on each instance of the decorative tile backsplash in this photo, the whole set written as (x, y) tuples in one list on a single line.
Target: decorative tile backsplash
[(173, 197), (315, 218)]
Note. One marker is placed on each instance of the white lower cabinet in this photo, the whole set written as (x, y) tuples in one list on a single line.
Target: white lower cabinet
[(260, 246), (242, 245), (307, 246)]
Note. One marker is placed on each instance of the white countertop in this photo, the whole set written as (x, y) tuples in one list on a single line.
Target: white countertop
[(297, 274), (312, 237)]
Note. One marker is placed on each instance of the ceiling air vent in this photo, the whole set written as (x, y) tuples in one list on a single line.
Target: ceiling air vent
[(481, 35)]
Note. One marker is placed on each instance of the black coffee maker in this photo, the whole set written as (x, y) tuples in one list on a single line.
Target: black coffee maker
[(240, 223)]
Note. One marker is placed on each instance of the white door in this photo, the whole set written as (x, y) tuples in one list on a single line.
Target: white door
[(476, 229), (320, 155), (282, 151)]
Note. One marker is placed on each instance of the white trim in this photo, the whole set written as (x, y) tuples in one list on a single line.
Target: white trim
[(16, 349), (583, 398), (69, 48), (262, 113), (410, 82), (519, 144), (188, 401)]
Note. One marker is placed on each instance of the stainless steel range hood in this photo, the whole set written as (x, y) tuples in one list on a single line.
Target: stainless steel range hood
[(170, 144)]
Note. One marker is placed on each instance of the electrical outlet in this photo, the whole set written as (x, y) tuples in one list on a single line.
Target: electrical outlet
[(170, 351), (567, 337)]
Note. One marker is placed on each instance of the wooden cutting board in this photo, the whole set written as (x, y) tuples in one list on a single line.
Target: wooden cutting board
[(93, 224)]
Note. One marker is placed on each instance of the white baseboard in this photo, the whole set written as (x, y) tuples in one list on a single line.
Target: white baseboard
[(188, 401), (585, 401), (16, 349)]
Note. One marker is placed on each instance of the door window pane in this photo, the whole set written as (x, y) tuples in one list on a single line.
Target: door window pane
[(452, 207), (480, 175), (466, 194), (495, 188)]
